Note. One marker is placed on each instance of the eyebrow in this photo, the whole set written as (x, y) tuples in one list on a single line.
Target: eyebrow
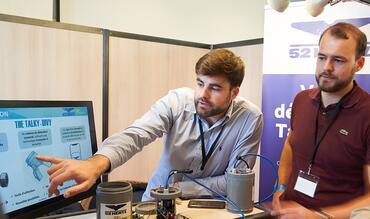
[(336, 57), (216, 85), (212, 84)]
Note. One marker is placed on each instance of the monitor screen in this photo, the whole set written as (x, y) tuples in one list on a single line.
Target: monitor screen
[(62, 129)]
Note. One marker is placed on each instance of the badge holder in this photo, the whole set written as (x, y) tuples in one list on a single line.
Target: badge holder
[(306, 183)]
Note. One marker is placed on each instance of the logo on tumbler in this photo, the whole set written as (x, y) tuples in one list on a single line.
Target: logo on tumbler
[(117, 209)]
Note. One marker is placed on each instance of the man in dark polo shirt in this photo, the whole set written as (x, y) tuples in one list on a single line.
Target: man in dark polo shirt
[(324, 167)]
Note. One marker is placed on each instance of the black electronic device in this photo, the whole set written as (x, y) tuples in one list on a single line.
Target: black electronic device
[(188, 197), (62, 129), (208, 203)]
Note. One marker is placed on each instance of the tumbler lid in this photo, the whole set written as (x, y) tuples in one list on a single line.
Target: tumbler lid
[(146, 208), (162, 193)]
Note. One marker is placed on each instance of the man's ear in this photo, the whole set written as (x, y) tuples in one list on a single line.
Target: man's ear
[(234, 92), (360, 63)]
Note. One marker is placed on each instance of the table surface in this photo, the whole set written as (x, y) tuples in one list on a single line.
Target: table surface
[(183, 210)]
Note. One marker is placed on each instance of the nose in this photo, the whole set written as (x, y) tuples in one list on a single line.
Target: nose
[(328, 65), (204, 92)]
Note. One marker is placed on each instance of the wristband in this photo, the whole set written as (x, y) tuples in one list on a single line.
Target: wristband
[(281, 187)]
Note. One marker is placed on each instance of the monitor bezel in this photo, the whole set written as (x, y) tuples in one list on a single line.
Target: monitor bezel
[(56, 202)]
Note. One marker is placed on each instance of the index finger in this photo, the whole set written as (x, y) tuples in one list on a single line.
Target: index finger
[(53, 160)]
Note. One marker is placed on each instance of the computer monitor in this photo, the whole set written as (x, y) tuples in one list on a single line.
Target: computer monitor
[(29, 128)]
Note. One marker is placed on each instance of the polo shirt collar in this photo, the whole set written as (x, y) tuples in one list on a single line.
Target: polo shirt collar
[(352, 98)]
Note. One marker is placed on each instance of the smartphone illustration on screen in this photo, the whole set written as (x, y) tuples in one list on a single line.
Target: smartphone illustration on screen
[(75, 151)]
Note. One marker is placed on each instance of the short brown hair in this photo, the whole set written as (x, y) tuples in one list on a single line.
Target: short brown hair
[(222, 62), (343, 30)]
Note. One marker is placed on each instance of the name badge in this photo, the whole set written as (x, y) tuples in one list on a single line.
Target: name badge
[(306, 183)]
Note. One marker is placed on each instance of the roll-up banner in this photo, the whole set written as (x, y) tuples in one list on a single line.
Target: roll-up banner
[(289, 61)]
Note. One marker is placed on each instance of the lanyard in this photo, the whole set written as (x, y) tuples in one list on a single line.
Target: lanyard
[(205, 157), (319, 138)]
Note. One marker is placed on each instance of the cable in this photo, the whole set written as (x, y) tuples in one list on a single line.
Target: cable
[(240, 158), (273, 168), (216, 193), (173, 172)]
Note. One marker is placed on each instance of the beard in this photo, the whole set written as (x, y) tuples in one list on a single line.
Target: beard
[(212, 109), (334, 85)]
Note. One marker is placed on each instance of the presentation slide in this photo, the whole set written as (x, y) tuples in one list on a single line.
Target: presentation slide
[(28, 132)]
